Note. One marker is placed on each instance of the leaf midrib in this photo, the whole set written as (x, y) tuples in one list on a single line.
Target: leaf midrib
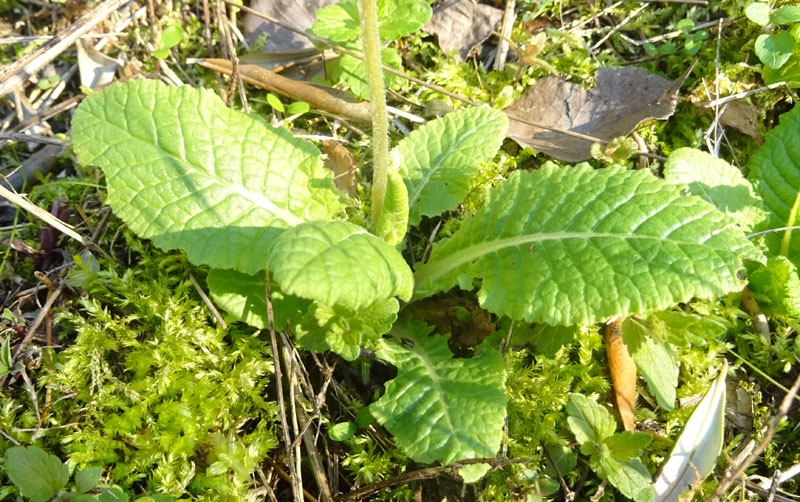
[(473, 252), (256, 198)]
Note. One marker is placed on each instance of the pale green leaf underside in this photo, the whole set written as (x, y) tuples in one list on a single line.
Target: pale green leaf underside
[(715, 181), (338, 263), (696, 450), (439, 160), (577, 246), (439, 407), (187, 172), (393, 222), (243, 296), (775, 174)]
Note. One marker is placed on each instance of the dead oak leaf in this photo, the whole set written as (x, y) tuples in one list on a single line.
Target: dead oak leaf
[(622, 99)]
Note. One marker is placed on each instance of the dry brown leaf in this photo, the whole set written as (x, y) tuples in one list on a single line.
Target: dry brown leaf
[(343, 165), (623, 373), (299, 14), (621, 100), (460, 25), (743, 117)]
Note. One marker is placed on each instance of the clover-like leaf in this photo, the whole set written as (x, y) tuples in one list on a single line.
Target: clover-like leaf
[(775, 174), (440, 159), (338, 263), (439, 407), (187, 172), (243, 296), (38, 475), (758, 12), (787, 14), (393, 222), (577, 245), (714, 180), (774, 49)]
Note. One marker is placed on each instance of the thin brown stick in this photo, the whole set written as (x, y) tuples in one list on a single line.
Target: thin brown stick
[(33, 138), (276, 358), (207, 301), (32, 330), (25, 67), (783, 410), (295, 90)]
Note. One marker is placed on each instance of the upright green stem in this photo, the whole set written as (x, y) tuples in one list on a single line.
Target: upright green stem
[(377, 100)]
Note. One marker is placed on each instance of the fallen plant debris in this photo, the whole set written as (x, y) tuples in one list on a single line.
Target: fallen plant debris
[(220, 283), (622, 100)]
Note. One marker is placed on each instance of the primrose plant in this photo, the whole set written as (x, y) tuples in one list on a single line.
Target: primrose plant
[(558, 245)]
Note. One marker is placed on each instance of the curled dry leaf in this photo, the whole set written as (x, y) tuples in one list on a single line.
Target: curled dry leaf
[(341, 162), (621, 101), (623, 373)]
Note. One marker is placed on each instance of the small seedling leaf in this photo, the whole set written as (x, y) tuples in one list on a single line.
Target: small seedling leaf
[(439, 160), (439, 407), (578, 245), (788, 14), (631, 478), (188, 172), (298, 108), (171, 36), (698, 446), (338, 263), (627, 445), (342, 431), (685, 25), (275, 102), (758, 12), (38, 475), (87, 479), (589, 421), (775, 49)]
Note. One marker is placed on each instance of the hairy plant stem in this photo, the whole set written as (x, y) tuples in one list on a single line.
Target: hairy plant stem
[(377, 100)]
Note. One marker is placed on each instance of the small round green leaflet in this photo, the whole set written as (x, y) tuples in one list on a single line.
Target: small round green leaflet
[(758, 12), (774, 50), (342, 431), (298, 108), (170, 37), (275, 103)]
